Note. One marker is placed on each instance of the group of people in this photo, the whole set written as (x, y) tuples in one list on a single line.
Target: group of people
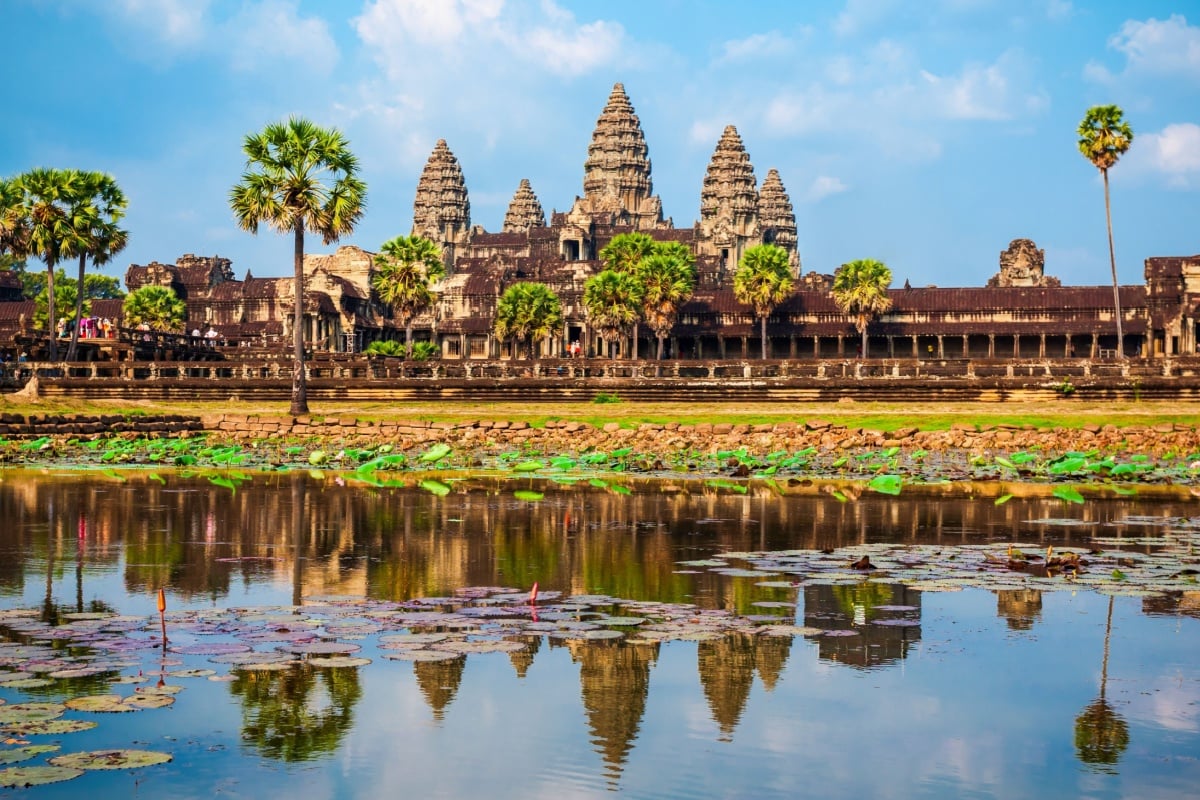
[(210, 336), (574, 350), (89, 328)]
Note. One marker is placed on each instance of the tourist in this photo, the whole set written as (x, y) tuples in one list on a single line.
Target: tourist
[(211, 335)]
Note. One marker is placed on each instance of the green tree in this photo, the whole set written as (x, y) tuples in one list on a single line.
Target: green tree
[(1104, 137), (299, 177), (297, 714), (613, 301), (527, 312), (407, 266), (860, 290), (624, 253), (157, 306), (41, 208), (668, 280), (102, 287), (14, 223), (98, 205), (66, 290), (763, 280)]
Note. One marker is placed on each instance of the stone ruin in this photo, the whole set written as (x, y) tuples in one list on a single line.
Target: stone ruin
[(1022, 265)]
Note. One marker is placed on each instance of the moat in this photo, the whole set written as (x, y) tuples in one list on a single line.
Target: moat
[(332, 637)]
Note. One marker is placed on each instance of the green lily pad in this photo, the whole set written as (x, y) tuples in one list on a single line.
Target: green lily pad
[(22, 777), (49, 727), (111, 759), (438, 451), (338, 661), (27, 712), (18, 754), (435, 487), (528, 496), (101, 704)]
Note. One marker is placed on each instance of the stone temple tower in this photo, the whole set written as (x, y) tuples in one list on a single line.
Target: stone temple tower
[(441, 210), (616, 179), (776, 218), (729, 220), (524, 212)]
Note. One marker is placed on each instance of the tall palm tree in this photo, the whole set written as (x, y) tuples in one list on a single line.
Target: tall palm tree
[(667, 282), (14, 224), (1101, 734), (44, 210), (613, 301), (624, 253), (407, 266), (763, 280), (1104, 136), (99, 204), (299, 177), (528, 312), (860, 290), (157, 306)]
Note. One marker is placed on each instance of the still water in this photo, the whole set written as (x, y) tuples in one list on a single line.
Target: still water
[(883, 691)]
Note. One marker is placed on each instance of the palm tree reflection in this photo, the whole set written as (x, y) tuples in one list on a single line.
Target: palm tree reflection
[(1101, 734)]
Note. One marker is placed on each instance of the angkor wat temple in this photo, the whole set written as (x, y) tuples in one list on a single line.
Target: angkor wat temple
[(1022, 312)]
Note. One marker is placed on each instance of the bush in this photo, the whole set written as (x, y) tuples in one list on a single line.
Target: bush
[(388, 347), (602, 398), (421, 351)]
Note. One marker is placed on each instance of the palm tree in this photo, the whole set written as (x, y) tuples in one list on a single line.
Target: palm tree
[(1104, 136), (41, 211), (96, 208), (613, 301), (14, 224), (157, 306), (527, 312), (66, 292), (300, 177), (407, 266), (763, 280), (667, 282), (624, 253), (860, 289)]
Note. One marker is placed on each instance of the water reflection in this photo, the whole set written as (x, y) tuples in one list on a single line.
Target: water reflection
[(299, 713), (1101, 734), (290, 540)]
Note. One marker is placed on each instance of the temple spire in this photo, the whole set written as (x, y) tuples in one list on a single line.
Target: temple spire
[(776, 217), (441, 209), (524, 212)]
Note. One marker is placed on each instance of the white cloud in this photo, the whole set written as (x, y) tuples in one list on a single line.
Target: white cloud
[(1059, 10), (180, 23), (859, 14), (756, 46), (706, 131), (824, 186), (479, 32), (993, 92), (1167, 47), (1173, 153), (273, 31)]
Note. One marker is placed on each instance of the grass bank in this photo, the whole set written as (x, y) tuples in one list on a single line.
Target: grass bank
[(877, 416)]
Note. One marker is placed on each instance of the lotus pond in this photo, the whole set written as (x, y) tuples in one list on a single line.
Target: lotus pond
[(334, 634)]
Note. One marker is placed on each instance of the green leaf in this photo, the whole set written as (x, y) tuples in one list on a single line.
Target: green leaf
[(528, 496), (1002, 499), (439, 450), (885, 484), (1068, 493), (435, 487), (598, 483), (528, 466)]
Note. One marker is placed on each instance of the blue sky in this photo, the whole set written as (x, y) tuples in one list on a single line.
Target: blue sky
[(925, 134)]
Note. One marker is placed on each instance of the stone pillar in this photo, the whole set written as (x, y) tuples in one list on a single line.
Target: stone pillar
[(1095, 345), (1042, 346), (1016, 345), (916, 345), (991, 345), (791, 346), (721, 347), (941, 346), (966, 346), (841, 346), (816, 347)]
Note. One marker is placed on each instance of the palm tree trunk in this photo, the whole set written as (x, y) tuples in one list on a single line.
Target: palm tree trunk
[(864, 341), (763, 322), (660, 346), (78, 310), (51, 328), (635, 338), (299, 382), (1107, 634), (408, 338), (1112, 258)]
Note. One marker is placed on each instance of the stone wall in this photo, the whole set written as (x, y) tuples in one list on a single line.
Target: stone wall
[(35, 425)]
